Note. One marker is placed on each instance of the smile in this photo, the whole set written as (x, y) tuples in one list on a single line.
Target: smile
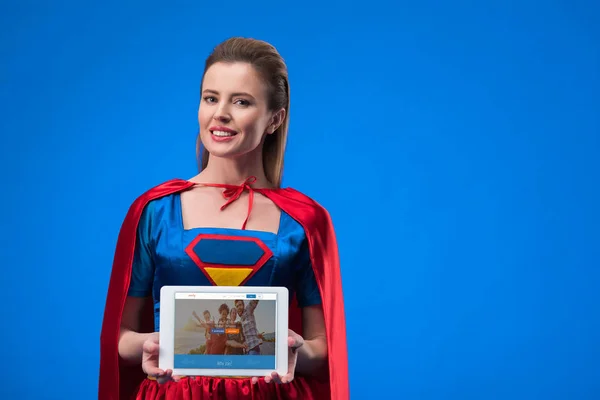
[(223, 133)]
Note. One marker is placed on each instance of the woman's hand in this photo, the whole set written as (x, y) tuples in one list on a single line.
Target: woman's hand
[(237, 345), (150, 360), (295, 341)]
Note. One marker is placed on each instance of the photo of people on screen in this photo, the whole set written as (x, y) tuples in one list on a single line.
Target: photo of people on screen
[(233, 327)]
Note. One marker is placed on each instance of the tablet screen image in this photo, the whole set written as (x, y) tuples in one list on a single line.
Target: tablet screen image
[(225, 331)]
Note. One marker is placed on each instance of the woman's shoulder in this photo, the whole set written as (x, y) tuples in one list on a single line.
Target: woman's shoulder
[(161, 190), (297, 199), (165, 188), (158, 197)]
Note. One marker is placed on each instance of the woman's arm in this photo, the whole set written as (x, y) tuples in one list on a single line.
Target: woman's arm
[(200, 322), (312, 355), (236, 344), (130, 341)]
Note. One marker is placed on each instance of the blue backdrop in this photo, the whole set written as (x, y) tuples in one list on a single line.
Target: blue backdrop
[(455, 145)]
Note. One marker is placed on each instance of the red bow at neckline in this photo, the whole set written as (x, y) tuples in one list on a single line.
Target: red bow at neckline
[(233, 192)]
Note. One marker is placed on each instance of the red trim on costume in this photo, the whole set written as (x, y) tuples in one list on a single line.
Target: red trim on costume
[(267, 254)]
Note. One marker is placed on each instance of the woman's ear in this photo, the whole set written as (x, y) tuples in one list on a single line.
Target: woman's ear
[(276, 121)]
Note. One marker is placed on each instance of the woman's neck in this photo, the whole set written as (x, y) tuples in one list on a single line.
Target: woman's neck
[(233, 172)]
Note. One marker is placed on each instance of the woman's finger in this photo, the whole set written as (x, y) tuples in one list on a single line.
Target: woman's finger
[(154, 371), (287, 378), (150, 347), (165, 377), (294, 343), (275, 377)]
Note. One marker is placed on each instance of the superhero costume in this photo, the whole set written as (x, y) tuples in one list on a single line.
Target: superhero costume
[(301, 218)]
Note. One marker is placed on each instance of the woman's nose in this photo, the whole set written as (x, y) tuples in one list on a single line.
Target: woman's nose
[(222, 115)]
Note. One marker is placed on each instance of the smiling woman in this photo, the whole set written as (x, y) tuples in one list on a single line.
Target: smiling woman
[(243, 120), (253, 76), (235, 111)]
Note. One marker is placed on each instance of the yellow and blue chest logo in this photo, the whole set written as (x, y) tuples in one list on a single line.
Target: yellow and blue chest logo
[(228, 260)]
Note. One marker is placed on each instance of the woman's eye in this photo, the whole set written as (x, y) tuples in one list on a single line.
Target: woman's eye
[(210, 99), (242, 102)]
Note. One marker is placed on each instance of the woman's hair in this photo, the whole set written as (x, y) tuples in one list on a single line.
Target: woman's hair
[(271, 67), (223, 307)]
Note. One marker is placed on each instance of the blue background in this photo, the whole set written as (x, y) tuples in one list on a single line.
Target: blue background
[(454, 143)]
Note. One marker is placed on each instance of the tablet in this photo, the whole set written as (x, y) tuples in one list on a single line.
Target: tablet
[(223, 330)]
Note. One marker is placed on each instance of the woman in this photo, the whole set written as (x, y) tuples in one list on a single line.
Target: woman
[(207, 324), (215, 342), (235, 340), (169, 233), (219, 340)]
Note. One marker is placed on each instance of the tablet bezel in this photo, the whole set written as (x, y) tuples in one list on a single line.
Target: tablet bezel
[(167, 330)]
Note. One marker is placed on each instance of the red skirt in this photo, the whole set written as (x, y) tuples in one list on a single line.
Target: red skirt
[(217, 388)]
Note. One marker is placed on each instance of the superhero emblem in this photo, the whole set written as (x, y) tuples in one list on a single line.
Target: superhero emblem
[(228, 260)]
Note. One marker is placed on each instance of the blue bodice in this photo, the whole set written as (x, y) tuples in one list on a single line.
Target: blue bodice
[(168, 254)]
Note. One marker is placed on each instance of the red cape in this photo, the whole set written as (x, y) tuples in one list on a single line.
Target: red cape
[(119, 382)]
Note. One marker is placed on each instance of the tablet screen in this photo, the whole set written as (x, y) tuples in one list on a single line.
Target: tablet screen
[(225, 330)]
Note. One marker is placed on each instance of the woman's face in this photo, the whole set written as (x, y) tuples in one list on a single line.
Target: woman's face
[(233, 113)]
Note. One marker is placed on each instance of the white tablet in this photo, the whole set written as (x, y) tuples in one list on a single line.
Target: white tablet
[(223, 330)]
